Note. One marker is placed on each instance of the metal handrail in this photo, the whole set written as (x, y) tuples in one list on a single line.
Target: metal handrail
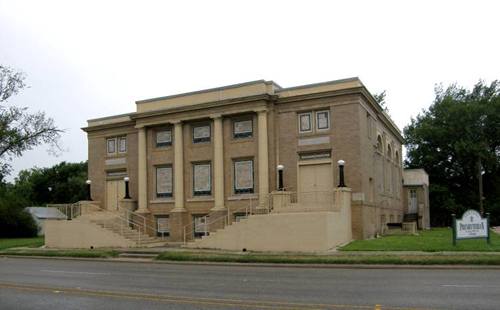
[(142, 220), (248, 210), (70, 210), (124, 222)]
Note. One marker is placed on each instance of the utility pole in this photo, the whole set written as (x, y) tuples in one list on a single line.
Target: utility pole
[(480, 179)]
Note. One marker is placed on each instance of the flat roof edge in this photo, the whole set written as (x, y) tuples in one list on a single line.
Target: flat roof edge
[(207, 91), (332, 82), (110, 117)]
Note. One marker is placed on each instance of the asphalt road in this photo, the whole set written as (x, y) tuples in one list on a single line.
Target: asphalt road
[(62, 284)]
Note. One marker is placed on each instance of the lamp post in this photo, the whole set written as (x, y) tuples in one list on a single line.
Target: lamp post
[(50, 193), (341, 164), (127, 194), (89, 197), (280, 177)]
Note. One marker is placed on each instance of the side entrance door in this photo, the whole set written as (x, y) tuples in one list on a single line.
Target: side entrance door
[(412, 201), (115, 191)]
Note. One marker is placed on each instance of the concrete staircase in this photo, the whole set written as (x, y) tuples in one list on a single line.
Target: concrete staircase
[(294, 232), (119, 227), (218, 236)]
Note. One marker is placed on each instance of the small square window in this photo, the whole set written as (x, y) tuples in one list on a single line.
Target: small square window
[(305, 122), (201, 133), (200, 225), (202, 179), (162, 225), (163, 138), (111, 146), (242, 128), (122, 145), (323, 120)]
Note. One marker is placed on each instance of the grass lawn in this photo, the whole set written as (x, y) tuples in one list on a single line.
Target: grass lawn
[(434, 240), (21, 242), (332, 259), (85, 253)]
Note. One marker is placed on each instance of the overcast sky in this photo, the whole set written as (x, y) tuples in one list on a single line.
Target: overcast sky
[(88, 59)]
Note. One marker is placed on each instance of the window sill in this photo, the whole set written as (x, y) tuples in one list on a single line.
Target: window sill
[(243, 197), (200, 199), (116, 155), (201, 144), (161, 148), (314, 134), (170, 200), (242, 140)]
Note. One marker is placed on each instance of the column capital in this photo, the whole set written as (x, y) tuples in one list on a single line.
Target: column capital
[(140, 126), (175, 121), (260, 110), (216, 116)]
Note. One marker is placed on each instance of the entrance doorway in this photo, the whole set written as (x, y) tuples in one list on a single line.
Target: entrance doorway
[(115, 191), (315, 183), (412, 201)]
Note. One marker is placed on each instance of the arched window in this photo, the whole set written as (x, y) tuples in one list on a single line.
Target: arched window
[(389, 151), (396, 157), (379, 143)]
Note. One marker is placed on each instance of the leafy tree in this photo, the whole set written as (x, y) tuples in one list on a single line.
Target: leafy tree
[(14, 221), (65, 180), (456, 140), (20, 130), (380, 98)]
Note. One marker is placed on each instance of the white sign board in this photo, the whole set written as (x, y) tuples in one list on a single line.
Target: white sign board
[(472, 225)]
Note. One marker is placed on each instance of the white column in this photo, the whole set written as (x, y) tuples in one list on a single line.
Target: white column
[(218, 164), (263, 158), (178, 168), (143, 173)]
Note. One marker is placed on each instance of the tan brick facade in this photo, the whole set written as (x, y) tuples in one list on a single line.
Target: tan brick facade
[(358, 132)]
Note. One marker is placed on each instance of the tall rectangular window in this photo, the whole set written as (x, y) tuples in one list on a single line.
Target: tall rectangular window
[(122, 144), (164, 181), (111, 145), (242, 128), (305, 122), (243, 176), (202, 180), (201, 133), (322, 120), (163, 137), (369, 126)]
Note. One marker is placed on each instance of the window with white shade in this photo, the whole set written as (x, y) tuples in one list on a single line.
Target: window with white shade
[(322, 120), (201, 133), (243, 176), (163, 137), (242, 128), (111, 146), (122, 144), (164, 181), (116, 145), (305, 122), (202, 179), (162, 225)]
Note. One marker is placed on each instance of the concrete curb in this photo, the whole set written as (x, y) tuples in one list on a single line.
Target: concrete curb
[(267, 265)]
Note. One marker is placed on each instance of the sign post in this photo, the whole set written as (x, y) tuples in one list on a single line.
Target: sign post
[(471, 226), (454, 221)]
